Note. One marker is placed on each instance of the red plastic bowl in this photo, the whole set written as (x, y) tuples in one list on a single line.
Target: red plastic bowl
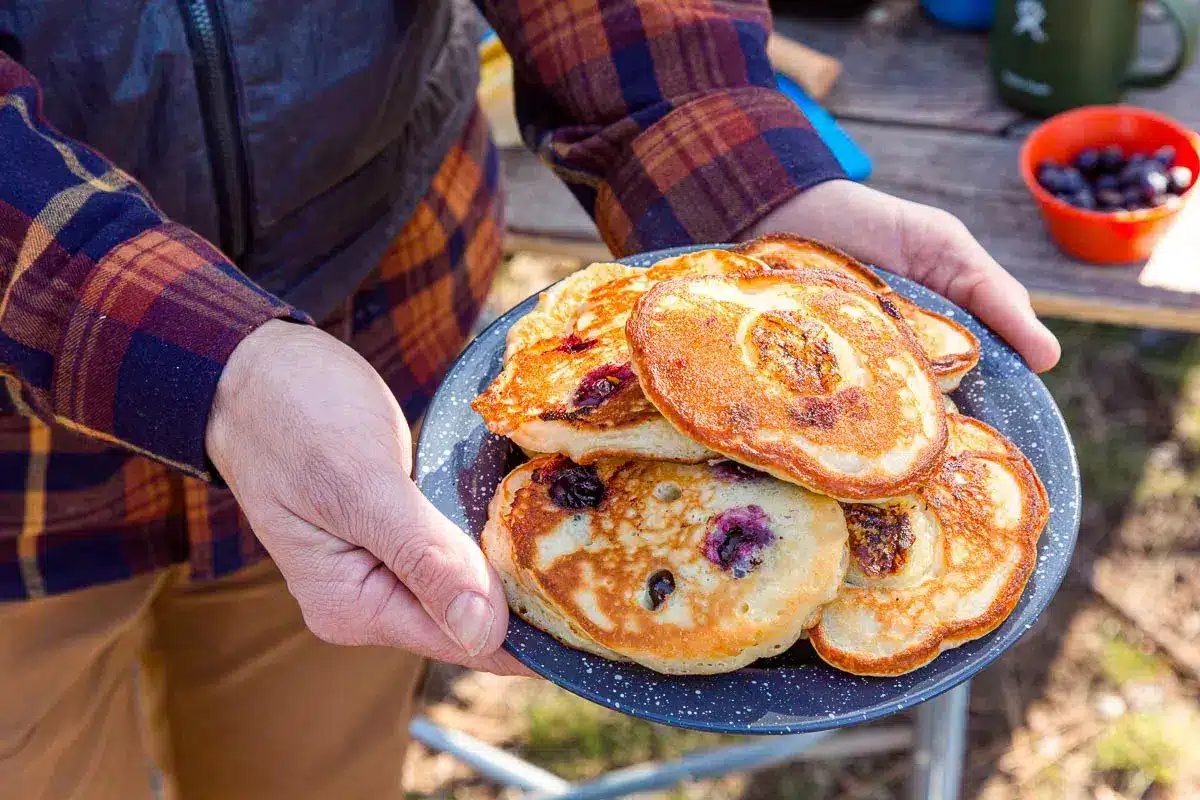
[(1107, 237)]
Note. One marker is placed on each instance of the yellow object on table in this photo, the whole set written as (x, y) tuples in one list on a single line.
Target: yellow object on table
[(496, 93)]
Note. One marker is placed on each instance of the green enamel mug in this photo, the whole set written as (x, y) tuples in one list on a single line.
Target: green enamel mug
[(1048, 56)]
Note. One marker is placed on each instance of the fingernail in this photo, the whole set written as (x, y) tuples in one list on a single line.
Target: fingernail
[(470, 618)]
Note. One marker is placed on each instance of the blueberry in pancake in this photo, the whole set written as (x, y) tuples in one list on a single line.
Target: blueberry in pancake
[(802, 374), (682, 568)]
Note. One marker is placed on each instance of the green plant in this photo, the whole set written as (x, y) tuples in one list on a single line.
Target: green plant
[(1122, 663), (1146, 744), (578, 739)]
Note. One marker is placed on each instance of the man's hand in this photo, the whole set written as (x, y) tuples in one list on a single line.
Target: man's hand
[(925, 244), (317, 451)]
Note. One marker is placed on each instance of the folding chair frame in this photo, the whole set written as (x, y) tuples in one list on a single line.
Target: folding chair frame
[(938, 743)]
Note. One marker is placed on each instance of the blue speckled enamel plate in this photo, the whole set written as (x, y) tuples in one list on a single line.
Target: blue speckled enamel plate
[(459, 465)]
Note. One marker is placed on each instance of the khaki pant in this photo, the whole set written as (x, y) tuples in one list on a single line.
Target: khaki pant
[(158, 687)]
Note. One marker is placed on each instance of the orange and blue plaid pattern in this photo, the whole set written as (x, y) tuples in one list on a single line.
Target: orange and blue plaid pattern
[(76, 511), (114, 321), (661, 116)]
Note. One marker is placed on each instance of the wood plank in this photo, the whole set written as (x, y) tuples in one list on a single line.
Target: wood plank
[(974, 176), (900, 67), (591, 252), (538, 203)]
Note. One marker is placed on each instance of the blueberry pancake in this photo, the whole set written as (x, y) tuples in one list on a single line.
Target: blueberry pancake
[(940, 568), (609, 305), (952, 349), (804, 374), (685, 569), (558, 306), (567, 386)]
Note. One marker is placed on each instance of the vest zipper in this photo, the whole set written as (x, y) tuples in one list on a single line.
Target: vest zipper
[(214, 81)]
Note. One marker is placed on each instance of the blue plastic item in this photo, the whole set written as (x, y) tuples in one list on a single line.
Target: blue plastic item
[(967, 15), (848, 153)]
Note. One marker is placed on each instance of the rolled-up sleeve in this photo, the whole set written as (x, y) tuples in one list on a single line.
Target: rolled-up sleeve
[(663, 117), (114, 321)]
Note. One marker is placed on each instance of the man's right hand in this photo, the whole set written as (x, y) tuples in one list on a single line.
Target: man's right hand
[(318, 454)]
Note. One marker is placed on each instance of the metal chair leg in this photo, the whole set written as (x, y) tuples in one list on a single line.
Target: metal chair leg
[(941, 745)]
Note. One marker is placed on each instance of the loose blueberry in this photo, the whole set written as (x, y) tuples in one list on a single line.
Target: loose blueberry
[(661, 584), (1153, 183), (1107, 182), (1134, 199), (572, 486), (1112, 158), (602, 383), (1130, 175), (1088, 161), (1109, 199), (1180, 179), (1072, 180), (1084, 199), (1159, 200), (1050, 177), (1165, 155)]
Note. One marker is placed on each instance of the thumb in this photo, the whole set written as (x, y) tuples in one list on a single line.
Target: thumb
[(443, 569), (974, 280), (1003, 304)]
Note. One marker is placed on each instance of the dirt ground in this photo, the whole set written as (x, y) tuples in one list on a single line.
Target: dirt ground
[(1098, 700)]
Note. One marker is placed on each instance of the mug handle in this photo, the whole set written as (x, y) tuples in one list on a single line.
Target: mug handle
[(1184, 15)]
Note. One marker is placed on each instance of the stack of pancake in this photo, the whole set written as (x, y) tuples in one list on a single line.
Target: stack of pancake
[(732, 450)]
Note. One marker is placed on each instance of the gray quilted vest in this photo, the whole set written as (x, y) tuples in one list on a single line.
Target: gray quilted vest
[(298, 135)]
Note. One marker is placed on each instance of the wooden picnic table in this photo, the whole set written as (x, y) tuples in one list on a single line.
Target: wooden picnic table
[(918, 98)]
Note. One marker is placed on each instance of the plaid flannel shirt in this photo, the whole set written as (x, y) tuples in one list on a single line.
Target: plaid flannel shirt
[(115, 322)]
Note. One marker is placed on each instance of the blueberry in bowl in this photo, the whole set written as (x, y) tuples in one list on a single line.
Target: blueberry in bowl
[(1105, 179)]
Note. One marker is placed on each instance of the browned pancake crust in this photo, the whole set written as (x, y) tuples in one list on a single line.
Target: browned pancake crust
[(945, 364), (953, 494), (784, 251), (608, 306), (691, 369)]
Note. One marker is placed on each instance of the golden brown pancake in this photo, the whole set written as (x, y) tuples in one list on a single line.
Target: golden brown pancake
[(558, 306), (567, 386), (940, 568), (803, 374), (953, 350), (685, 569)]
